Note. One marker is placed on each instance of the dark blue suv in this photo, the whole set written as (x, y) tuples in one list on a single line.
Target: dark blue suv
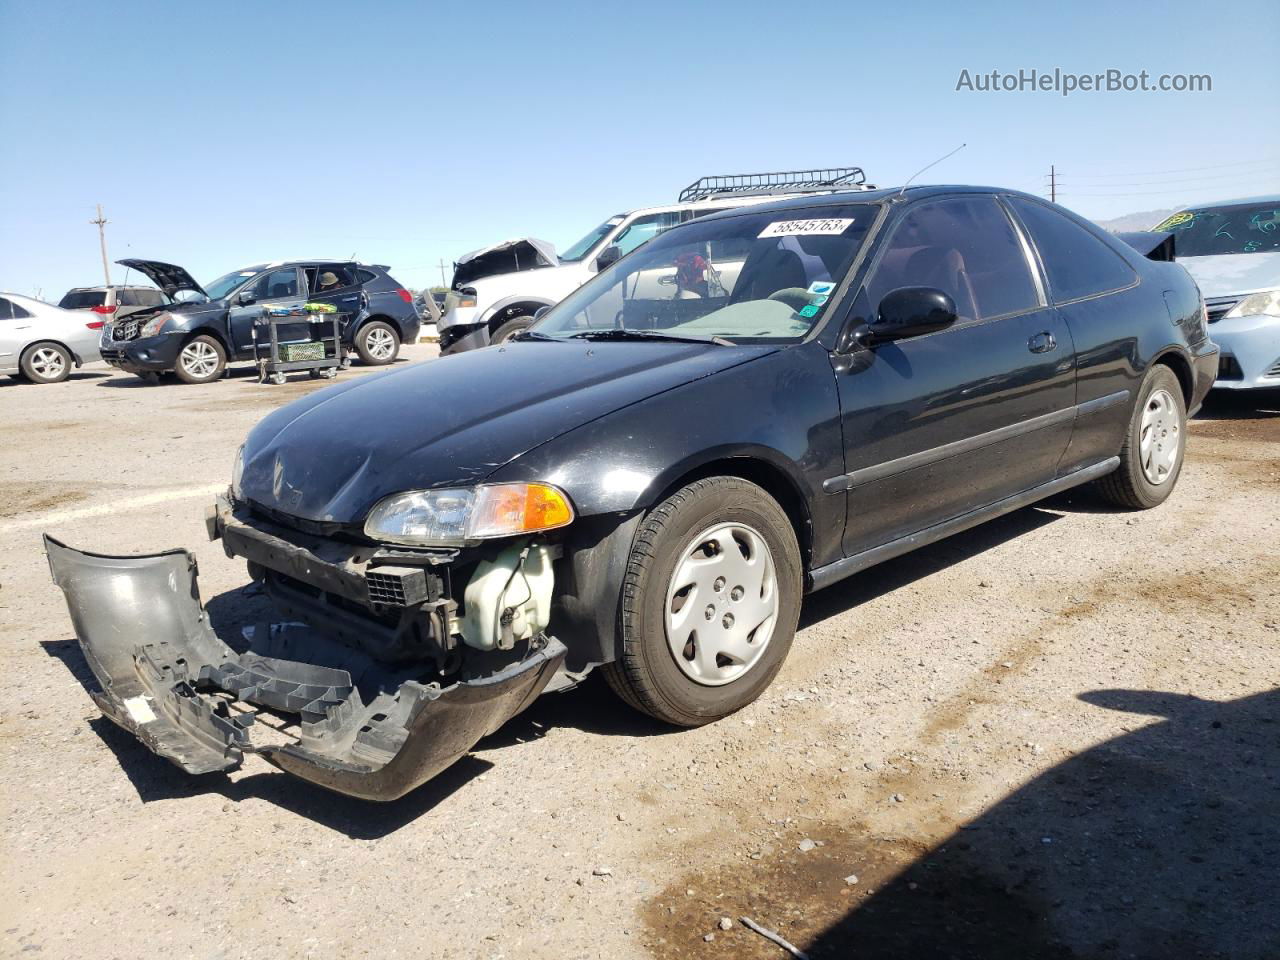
[(195, 338)]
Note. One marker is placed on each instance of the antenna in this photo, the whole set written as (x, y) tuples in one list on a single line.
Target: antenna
[(934, 164)]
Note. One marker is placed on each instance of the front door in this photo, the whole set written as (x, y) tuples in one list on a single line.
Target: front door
[(273, 288), (944, 423)]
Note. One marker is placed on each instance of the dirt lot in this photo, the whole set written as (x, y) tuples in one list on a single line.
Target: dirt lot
[(1057, 735)]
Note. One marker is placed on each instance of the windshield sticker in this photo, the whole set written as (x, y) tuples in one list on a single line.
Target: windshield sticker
[(821, 287), (809, 311), (819, 301), (824, 227)]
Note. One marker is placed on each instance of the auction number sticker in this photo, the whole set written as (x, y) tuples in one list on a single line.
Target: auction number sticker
[(820, 227)]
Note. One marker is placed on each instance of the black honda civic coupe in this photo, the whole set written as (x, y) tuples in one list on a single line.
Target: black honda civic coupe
[(750, 407)]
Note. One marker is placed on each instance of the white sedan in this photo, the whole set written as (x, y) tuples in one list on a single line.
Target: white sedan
[(41, 343)]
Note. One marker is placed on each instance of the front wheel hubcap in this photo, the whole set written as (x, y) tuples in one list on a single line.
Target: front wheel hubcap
[(380, 344), (199, 360), (722, 604), (1160, 438)]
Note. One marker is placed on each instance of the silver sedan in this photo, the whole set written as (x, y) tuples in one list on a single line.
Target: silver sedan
[(41, 343)]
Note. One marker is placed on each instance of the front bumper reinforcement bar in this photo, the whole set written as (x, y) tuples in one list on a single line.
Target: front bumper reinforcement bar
[(366, 730)]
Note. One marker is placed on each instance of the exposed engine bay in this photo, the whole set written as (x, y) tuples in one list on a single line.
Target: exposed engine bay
[(393, 662)]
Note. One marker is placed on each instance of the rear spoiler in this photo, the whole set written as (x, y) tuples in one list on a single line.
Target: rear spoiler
[(1152, 245)]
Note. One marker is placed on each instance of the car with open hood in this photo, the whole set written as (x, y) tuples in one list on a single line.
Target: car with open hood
[(210, 326), (498, 290), (748, 408), (1232, 250)]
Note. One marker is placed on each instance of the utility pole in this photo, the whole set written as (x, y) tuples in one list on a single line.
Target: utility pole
[(443, 281), (102, 242), (1053, 183)]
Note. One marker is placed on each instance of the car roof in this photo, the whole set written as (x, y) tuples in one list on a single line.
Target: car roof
[(1265, 198), (845, 197), (114, 286)]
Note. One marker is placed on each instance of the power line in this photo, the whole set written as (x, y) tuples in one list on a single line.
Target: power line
[(1273, 161), (1156, 183)]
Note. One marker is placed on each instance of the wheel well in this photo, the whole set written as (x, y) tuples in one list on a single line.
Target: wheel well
[(511, 311), (774, 482), (381, 318), (75, 357), (213, 335), (1182, 370)]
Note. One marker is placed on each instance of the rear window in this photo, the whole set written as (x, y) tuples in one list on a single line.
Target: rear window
[(1236, 228), (83, 299), (146, 297)]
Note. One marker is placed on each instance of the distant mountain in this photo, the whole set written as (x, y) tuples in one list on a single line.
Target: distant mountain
[(1135, 221)]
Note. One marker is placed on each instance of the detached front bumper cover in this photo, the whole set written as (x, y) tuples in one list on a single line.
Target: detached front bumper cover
[(166, 677)]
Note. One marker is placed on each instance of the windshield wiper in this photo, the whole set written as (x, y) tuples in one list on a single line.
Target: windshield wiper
[(625, 334), (531, 335)]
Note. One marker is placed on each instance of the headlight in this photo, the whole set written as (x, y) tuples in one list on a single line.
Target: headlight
[(1268, 301), (237, 472), (455, 516), (155, 324)]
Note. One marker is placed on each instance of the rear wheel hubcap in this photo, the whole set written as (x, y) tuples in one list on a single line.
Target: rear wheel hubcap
[(380, 344), (1160, 438), (48, 363)]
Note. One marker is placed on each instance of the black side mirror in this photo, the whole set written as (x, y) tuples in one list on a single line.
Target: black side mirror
[(911, 312), (608, 257), (244, 297)]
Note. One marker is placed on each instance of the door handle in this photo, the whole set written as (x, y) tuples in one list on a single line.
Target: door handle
[(1042, 342)]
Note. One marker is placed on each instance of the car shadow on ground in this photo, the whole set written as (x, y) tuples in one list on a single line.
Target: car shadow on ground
[(1163, 842), (1240, 405), (12, 381), (243, 373)]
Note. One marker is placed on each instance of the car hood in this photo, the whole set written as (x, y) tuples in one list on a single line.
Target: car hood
[(167, 276), (509, 256), (455, 420), (1228, 274)]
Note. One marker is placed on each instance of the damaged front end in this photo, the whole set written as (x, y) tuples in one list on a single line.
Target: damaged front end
[(378, 689)]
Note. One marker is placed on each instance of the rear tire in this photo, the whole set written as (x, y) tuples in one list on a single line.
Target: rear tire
[(377, 343), (746, 610), (201, 360), (46, 363), (1154, 445), (510, 329)]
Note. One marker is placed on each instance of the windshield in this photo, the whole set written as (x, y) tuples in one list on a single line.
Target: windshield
[(758, 276), (223, 286), (583, 246), (1238, 228)]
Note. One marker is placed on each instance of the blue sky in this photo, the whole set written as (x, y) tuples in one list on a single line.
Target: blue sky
[(217, 135)]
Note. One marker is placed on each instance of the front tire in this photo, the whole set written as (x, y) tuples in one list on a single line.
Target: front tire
[(201, 360), (710, 601), (46, 363), (1154, 445), (510, 329), (377, 343)]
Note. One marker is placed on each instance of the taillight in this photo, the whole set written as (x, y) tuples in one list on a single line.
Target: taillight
[(103, 308), (405, 295), (97, 324)]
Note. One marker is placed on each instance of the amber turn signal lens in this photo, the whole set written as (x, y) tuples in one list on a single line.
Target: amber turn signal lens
[(505, 509)]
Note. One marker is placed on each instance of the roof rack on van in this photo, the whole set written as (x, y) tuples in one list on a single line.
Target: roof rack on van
[(763, 184)]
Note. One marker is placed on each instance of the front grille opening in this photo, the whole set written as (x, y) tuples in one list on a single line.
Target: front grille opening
[(1229, 368)]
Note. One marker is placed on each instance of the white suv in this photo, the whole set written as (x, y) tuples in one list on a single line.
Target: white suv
[(497, 291)]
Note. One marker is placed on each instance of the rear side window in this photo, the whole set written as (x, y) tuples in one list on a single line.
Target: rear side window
[(366, 276), (1076, 262), (967, 248), (11, 311), (83, 299)]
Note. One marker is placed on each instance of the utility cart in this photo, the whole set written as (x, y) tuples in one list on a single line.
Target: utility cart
[(314, 342)]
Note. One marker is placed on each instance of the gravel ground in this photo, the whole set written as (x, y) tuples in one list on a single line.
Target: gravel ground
[(1057, 735)]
